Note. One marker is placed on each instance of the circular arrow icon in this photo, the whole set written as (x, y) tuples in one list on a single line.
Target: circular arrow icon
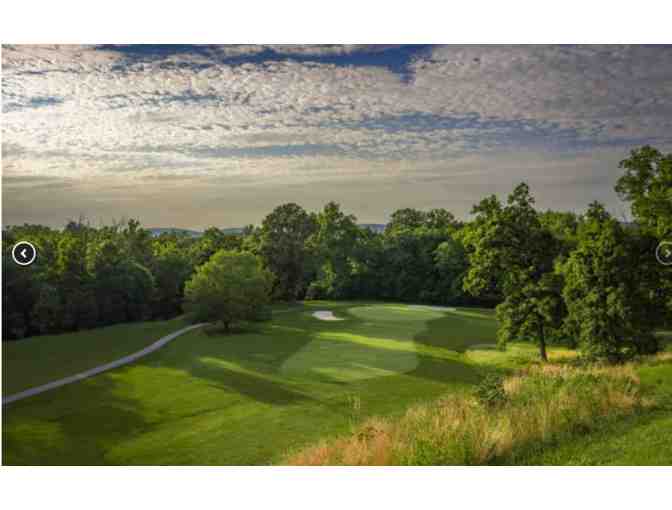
[(664, 253), (24, 253)]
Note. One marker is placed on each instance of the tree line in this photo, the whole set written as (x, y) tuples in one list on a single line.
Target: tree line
[(583, 280)]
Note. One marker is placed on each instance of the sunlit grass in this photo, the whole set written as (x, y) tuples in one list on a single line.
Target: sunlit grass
[(248, 397), (540, 406), (38, 360), (273, 387)]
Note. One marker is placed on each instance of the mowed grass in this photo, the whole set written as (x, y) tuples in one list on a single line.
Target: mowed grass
[(249, 397), (38, 360), (256, 396)]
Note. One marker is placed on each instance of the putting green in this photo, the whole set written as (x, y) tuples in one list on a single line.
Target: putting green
[(347, 356)]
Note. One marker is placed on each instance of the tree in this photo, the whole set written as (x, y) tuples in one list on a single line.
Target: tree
[(607, 309), (452, 264), (367, 265), (73, 280), (406, 219), (85, 277), (486, 270), (441, 219), (171, 269), (562, 224), (282, 247), (533, 309), (137, 243), (22, 286), (409, 271), (123, 288), (213, 240), (47, 313), (102, 261), (138, 294), (647, 185), (230, 287), (20, 291), (332, 245), (510, 253)]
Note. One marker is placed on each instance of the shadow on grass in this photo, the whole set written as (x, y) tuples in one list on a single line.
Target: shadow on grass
[(248, 384), (251, 363), (83, 423), (446, 371), (73, 425), (455, 332)]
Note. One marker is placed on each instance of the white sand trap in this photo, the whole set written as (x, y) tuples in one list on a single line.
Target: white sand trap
[(326, 315)]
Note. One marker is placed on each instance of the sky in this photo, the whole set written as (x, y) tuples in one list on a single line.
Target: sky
[(194, 136)]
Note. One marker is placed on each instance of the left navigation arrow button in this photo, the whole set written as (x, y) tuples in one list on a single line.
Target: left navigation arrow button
[(24, 253)]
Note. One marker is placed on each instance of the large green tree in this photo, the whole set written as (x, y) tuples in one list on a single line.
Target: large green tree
[(333, 245), (213, 240), (171, 268), (451, 263), (409, 271), (647, 185), (230, 287), (281, 243), (608, 309), (79, 310), (124, 289), (20, 291), (512, 254)]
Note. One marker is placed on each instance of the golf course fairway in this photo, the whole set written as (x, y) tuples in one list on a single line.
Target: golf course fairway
[(252, 396)]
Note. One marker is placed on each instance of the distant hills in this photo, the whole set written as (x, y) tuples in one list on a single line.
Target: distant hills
[(156, 232), (375, 227)]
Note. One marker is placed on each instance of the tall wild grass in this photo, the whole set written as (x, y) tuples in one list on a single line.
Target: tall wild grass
[(503, 419)]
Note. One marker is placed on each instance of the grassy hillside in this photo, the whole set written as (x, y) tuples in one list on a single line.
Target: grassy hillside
[(551, 414), (38, 360), (254, 396), (248, 398), (641, 439)]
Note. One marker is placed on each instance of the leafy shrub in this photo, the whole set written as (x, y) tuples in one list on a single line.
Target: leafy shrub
[(490, 391)]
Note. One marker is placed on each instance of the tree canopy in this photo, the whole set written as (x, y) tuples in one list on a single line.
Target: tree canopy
[(230, 287), (585, 280)]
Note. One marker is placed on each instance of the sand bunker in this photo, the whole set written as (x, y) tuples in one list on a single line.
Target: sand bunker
[(325, 315)]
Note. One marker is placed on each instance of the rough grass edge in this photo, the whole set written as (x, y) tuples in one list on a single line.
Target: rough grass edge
[(536, 407)]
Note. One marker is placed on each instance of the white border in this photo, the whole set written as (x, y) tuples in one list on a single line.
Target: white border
[(335, 488), (347, 21)]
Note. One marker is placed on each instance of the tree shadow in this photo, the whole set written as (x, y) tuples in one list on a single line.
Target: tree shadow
[(446, 371), (72, 425), (82, 423), (434, 335), (245, 383)]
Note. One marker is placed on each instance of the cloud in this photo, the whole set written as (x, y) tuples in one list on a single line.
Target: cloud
[(310, 114)]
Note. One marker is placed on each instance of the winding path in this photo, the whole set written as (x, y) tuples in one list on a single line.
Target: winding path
[(100, 368)]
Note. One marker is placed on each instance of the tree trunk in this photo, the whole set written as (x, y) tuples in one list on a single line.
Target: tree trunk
[(542, 343)]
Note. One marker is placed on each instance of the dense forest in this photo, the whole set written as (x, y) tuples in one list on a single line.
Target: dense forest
[(585, 280)]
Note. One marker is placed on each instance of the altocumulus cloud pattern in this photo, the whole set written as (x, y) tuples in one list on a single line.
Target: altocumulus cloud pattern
[(99, 122)]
